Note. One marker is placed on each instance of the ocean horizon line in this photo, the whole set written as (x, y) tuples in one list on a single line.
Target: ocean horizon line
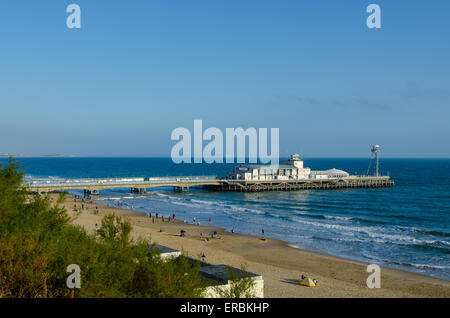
[(246, 159)]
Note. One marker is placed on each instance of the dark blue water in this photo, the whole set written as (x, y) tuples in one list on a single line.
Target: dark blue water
[(405, 227)]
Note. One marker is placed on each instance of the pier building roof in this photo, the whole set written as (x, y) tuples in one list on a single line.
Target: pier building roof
[(337, 173), (280, 166)]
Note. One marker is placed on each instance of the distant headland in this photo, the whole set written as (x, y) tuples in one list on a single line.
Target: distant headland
[(7, 155)]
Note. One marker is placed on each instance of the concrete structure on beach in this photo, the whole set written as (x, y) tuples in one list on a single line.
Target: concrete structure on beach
[(219, 279)]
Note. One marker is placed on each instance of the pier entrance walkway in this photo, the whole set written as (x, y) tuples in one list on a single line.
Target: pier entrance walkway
[(136, 184)]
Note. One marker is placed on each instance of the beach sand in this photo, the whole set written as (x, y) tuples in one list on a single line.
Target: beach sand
[(280, 265)]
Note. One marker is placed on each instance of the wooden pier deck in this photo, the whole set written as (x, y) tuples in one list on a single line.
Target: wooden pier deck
[(307, 184)]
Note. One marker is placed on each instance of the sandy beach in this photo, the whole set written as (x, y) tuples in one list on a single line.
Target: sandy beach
[(280, 265)]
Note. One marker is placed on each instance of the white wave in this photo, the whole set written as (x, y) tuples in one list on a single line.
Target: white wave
[(378, 237), (354, 240), (170, 197), (341, 218), (424, 266), (204, 202)]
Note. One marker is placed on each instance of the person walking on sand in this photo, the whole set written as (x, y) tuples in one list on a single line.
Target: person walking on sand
[(262, 232)]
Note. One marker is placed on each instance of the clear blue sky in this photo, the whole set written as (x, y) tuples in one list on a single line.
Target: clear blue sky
[(138, 69)]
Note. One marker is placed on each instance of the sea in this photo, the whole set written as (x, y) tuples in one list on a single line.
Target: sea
[(405, 227)]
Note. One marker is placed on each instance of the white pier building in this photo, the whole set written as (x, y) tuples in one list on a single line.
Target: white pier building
[(293, 169)]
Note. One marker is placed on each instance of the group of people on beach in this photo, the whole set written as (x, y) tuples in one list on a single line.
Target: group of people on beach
[(156, 215), (83, 206), (170, 218)]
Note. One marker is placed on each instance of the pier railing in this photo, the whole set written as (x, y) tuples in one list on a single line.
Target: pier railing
[(36, 183), (182, 179)]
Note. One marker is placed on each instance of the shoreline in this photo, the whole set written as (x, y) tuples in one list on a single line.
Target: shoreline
[(280, 264)]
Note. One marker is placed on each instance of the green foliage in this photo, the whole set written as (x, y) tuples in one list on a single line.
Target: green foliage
[(62, 197), (115, 231), (38, 242), (241, 286)]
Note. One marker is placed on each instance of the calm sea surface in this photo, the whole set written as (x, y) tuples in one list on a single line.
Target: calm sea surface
[(405, 227)]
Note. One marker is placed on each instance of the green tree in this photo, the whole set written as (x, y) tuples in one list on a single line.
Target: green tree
[(38, 242)]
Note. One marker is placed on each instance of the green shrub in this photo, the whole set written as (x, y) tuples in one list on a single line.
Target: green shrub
[(241, 286), (38, 242)]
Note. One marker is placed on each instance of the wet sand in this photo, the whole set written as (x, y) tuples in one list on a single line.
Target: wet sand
[(280, 265)]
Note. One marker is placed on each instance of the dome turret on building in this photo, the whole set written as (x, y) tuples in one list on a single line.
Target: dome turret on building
[(336, 173)]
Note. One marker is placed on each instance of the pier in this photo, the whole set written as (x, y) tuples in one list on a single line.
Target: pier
[(307, 184), (136, 185), (212, 183), (292, 175)]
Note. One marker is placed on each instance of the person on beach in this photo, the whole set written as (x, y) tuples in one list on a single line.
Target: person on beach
[(209, 222), (173, 216), (156, 214), (232, 230), (262, 232)]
